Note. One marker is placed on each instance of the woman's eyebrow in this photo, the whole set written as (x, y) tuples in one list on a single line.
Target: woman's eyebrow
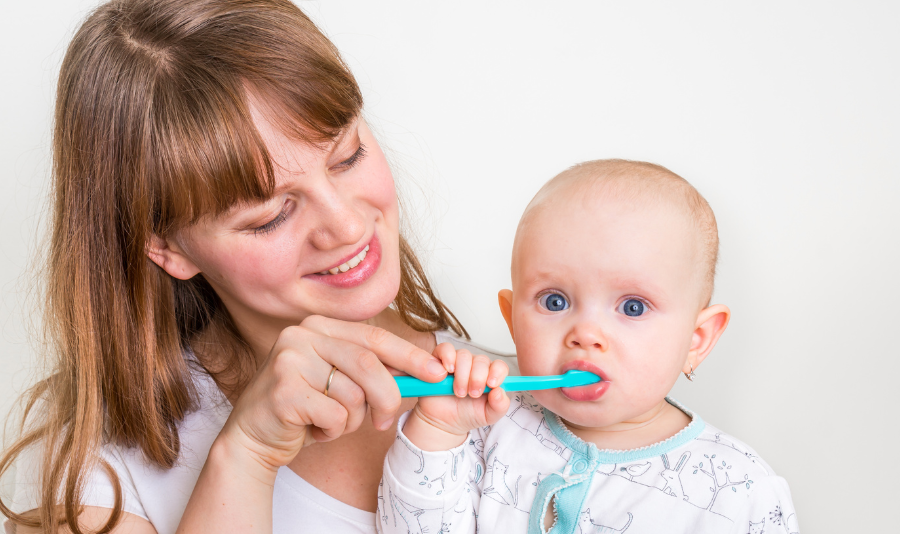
[(349, 133), (338, 141)]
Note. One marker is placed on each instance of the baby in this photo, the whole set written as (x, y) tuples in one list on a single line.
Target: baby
[(612, 272)]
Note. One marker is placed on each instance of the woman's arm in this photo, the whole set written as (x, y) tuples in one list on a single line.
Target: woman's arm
[(92, 518)]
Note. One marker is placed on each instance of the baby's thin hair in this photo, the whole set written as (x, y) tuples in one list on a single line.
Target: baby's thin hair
[(641, 182)]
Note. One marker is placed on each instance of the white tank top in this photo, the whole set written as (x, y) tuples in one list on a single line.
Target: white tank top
[(160, 495)]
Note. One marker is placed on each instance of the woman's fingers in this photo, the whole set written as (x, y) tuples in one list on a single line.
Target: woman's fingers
[(350, 396), (315, 372), (328, 416), (363, 368), (390, 349)]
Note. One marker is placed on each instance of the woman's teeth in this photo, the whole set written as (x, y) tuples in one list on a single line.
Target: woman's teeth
[(351, 263)]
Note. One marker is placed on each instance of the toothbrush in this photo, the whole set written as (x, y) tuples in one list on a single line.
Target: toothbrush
[(413, 387)]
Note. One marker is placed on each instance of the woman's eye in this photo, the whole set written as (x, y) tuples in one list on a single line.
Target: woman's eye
[(353, 160), (632, 308), (270, 226), (553, 302)]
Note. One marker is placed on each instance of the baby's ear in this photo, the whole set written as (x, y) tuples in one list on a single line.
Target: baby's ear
[(711, 323), (504, 297)]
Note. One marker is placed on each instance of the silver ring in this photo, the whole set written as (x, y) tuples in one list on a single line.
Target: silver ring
[(330, 378)]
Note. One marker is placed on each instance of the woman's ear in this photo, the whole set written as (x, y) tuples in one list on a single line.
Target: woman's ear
[(504, 297), (711, 323), (169, 255)]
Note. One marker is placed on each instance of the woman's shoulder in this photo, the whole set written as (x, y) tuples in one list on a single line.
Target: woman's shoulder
[(446, 336)]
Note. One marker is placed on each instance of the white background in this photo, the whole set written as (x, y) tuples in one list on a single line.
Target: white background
[(784, 115)]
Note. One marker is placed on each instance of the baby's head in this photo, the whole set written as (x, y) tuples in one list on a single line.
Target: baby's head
[(612, 271)]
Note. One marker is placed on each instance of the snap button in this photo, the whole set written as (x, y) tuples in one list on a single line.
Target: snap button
[(579, 466)]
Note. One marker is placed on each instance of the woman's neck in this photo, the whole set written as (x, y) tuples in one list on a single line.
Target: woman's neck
[(658, 424)]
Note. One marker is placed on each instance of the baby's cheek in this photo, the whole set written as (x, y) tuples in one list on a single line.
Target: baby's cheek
[(535, 365), (655, 375)]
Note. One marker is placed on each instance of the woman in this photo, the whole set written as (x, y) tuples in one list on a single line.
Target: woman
[(226, 283)]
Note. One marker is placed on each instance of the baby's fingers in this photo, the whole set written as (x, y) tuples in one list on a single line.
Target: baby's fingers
[(447, 354), (497, 374), (462, 372), (496, 406), (479, 375)]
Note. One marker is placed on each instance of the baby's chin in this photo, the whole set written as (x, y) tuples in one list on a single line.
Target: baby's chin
[(587, 414)]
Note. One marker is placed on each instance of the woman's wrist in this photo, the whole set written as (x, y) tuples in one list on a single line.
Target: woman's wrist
[(229, 454), (233, 493), (428, 435)]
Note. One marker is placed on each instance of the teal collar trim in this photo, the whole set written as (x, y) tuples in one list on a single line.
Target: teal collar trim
[(571, 486), (611, 456)]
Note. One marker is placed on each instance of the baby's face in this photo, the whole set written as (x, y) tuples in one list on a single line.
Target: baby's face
[(610, 287)]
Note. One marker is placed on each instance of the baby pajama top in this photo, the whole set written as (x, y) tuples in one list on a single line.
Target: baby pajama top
[(503, 477)]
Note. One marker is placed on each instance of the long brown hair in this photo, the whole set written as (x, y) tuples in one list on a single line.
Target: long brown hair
[(152, 132)]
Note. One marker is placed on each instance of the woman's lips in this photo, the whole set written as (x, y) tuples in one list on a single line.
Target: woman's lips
[(357, 275), (591, 392)]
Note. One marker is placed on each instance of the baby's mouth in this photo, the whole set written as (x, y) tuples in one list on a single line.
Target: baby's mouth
[(591, 392), (349, 264)]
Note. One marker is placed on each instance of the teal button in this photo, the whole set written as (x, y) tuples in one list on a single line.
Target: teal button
[(580, 466)]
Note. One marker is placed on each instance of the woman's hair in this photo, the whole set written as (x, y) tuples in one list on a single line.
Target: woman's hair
[(152, 132)]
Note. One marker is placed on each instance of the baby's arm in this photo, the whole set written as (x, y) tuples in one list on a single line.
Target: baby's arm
[(427, 469)]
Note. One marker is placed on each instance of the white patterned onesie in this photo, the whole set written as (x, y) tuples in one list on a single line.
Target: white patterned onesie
[(502, 478)]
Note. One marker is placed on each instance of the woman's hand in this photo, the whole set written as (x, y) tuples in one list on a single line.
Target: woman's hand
[(285, 408), (441, 423)]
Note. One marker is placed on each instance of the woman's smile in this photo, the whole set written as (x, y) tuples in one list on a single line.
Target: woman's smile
[(352, 271)]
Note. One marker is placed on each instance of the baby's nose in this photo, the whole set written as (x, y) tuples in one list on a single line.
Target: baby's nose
[(586, 336)]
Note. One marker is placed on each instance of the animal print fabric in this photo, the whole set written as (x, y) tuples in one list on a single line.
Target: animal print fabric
[(699, 481)]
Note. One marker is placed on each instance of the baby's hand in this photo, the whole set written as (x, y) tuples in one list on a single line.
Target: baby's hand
[(441, 423)]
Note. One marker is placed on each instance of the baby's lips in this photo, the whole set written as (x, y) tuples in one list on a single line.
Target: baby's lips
[(590, 392), (585, 365)]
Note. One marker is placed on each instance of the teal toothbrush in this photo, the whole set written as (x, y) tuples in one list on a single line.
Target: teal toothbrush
[(413, 387)]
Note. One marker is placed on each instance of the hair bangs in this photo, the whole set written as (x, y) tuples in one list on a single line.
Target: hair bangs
[(206, 154)]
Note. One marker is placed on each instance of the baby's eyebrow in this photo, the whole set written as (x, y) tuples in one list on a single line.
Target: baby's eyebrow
[(639, 286), (541, 277)]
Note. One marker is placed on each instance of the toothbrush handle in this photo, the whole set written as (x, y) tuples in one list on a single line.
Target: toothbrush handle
[(413, 387)]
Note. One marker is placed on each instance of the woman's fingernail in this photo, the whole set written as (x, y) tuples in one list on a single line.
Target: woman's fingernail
[(434, 367)]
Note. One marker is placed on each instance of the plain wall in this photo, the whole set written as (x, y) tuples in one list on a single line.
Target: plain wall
[(784, 115)]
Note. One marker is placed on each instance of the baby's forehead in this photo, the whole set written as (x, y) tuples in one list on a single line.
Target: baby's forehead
[(589, 199), (586, 193)]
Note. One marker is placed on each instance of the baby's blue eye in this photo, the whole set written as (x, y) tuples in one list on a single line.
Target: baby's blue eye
[(632, 308), (553, 302)]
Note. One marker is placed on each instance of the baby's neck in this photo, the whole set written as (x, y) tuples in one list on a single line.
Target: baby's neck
[(658, 424)]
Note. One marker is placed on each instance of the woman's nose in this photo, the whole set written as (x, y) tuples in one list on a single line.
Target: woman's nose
[(587, 335), (338, 220)]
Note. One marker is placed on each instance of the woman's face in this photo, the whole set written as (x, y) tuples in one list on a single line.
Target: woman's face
[(270, 262)]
